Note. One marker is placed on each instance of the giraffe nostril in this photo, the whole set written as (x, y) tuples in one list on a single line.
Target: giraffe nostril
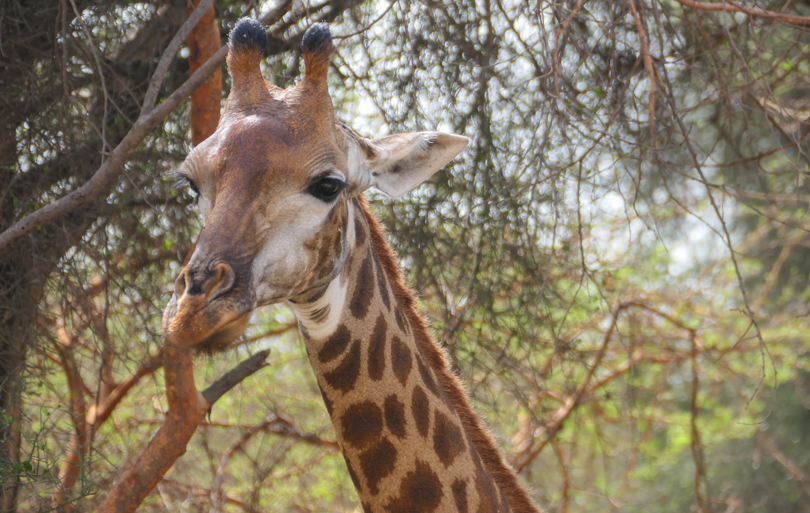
[(210, 283), (180, 284), (222, 281)]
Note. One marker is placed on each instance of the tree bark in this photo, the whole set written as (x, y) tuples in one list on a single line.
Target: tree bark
[(203, 43)]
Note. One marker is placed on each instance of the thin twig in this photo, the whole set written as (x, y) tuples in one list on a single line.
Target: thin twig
[(364, 29), (648, 65), (752, 11), (104, 144)]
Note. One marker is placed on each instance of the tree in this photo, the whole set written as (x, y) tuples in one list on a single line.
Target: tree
[(617, 265)]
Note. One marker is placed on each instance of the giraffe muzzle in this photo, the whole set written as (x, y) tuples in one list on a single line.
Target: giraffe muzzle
[(201, 312)]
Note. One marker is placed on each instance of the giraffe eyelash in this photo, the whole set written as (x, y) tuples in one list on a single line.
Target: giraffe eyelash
[(183, 181)]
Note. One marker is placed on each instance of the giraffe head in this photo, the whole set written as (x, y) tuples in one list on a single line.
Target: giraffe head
[(274, 184)]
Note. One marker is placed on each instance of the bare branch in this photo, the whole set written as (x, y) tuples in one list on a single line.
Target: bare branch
[(801, 477), (187, 408), (235, 376), (111, 168), (801, 21), (168, 55)]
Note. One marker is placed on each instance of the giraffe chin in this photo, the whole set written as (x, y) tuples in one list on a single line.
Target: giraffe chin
[(221, 339), (207, 331)]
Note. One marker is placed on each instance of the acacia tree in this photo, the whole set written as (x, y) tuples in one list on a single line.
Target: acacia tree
[(617, 265)]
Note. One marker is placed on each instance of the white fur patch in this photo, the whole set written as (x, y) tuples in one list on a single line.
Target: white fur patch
[(351, 236), (335, 298)]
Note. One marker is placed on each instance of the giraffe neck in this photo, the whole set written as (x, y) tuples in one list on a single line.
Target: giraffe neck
[(409, 436)]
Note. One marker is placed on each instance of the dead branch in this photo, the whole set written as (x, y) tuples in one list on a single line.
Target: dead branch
[(233, 377)]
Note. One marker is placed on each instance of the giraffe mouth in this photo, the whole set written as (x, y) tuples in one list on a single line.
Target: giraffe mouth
[(208, 327)]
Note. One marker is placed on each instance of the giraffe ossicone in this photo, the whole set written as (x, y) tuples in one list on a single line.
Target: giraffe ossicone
[(280, 187)]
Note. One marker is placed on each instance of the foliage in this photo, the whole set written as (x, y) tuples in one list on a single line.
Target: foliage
[(618, 264)]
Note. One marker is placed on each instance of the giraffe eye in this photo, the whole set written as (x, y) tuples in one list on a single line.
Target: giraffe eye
[(187, 182), (327, 188)]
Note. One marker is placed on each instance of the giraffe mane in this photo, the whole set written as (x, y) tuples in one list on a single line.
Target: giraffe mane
[(503, 474)]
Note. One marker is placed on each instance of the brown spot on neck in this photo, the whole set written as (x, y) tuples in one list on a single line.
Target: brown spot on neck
[(420, 409), (361, 424), (345, 375), (335, 345), (400, 359), (420, 491), (395, 419), (376, 350), (378, 463), (459, 488), (363, 289), (448, 442)]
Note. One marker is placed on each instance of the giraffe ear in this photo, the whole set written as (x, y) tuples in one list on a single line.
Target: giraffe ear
[(398, 163)]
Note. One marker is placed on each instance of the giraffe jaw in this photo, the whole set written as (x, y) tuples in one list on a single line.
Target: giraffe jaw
[(209, 328)]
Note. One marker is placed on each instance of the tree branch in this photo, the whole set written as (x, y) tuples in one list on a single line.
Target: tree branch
[(648, 65), (187, 408), (170, 53), (235, 376), (143, 126), (802, 21), (800, 477), (79, 439), (571, 402)]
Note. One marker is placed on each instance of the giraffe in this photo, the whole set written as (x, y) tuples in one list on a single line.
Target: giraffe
[(280, 187)]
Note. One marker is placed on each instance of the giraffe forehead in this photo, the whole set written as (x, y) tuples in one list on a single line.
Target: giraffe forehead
[(264, 153)]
